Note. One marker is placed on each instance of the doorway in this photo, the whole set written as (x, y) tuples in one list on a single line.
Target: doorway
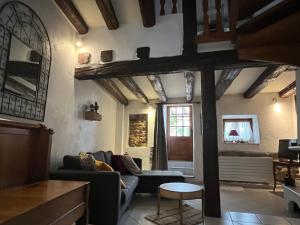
[(180, 138)]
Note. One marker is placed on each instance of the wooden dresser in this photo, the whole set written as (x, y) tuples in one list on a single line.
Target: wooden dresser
[(46, 202), (27, 197)]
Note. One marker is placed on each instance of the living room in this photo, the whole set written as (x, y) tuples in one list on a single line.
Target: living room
[(160, 82)]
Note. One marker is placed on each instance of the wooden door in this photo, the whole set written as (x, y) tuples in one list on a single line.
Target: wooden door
[(180, 133)]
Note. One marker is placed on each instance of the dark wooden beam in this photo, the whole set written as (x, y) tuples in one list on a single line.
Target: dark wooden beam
[(269, 74), (210, 144), (108, 14), (153, 66), (189, 27), (132, 86), (113, 90), (70, 11), (147, 12), (272, 15), (288, 91), (281, 38), (225, 80), (189, 78), (248, 8), (158, 87)]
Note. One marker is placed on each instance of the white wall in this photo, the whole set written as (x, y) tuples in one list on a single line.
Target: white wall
[(67, 96), (274, 125), (164, 39)]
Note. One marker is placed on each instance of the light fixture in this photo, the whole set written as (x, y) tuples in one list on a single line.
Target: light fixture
[(78, 43), (277, 106)]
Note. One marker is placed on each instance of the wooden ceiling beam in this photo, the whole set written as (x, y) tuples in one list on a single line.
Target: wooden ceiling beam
[(113, 90), (158, 87), (108, 14), (189, 78), (225, 80), (272, 15), (147, 12), (268, 75), (164, 65), (70, 11), (132, 86), (288, 91)]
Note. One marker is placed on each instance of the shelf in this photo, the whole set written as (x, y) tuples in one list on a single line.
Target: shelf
[(93, 116)]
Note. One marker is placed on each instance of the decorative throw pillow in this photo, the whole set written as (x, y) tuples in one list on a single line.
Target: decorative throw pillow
[(87, 161), (130, 164), (118, 165), (102, 166)]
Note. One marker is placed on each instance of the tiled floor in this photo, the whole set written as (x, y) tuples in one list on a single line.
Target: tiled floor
[(239, 207)]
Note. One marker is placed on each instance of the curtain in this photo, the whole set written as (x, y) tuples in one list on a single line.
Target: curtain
[(243, 128), (159, 151)]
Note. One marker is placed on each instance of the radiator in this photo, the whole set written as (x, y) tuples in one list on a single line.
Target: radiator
[(246, 169)]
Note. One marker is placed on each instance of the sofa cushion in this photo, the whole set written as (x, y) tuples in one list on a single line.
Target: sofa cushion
[(87, 161), (118, 165), (100, 156), (71, 162), (131, 183), (108, 155)]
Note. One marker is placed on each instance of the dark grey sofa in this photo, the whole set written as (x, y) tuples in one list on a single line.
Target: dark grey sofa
[(108, 201)]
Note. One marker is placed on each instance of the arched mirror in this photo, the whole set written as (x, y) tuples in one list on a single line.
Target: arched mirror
[(25, 59)]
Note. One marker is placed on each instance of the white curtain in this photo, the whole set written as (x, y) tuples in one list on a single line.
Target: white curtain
[(244, 131)]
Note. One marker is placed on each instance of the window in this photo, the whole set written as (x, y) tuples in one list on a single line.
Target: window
[(180, 121), (240, 129)]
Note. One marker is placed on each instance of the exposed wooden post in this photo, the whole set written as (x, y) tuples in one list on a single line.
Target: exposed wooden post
[(147, 12), (225, 80), (70, 11), (189, 78), (158, 87), (288, 91), (132, 86), (113, 90), (189, 27), (269, 74), (210, 143), (108, 14)]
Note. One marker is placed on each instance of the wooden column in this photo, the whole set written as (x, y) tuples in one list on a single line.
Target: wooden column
[(189, 27), (210, 143)]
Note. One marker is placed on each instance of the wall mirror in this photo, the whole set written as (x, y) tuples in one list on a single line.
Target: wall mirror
[(25, 59)]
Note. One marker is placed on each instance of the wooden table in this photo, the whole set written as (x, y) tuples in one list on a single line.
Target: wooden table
[(46, 202), (288, 165), (180, 191)]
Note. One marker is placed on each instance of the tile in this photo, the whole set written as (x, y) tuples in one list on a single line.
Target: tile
[(272, 220), (216, 221), (293, 221), (244, 217)]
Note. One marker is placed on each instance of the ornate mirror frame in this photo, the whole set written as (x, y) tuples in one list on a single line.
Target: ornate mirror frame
[(20, 21)]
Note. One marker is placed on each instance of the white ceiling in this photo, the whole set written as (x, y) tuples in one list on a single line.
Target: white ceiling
[(127, 12), (174, 84)]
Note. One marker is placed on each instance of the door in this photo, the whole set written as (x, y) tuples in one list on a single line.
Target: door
[(180, 132)]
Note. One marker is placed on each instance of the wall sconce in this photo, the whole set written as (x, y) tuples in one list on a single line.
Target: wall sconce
[(277, 106), (92, 113)]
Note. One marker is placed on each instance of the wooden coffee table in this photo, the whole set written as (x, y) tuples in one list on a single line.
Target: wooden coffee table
[(180, 191)]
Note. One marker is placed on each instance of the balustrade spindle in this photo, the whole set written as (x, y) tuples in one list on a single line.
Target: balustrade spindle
[(205, 17), (219, 17), (162, 7), (174, 6)]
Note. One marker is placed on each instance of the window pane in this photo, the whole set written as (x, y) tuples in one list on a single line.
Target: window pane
[(179, 110), (172, 131), (179, 131), (173, 111), (179, 121), (186, 111), (173, 121), (186, 131), (186, 121)]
